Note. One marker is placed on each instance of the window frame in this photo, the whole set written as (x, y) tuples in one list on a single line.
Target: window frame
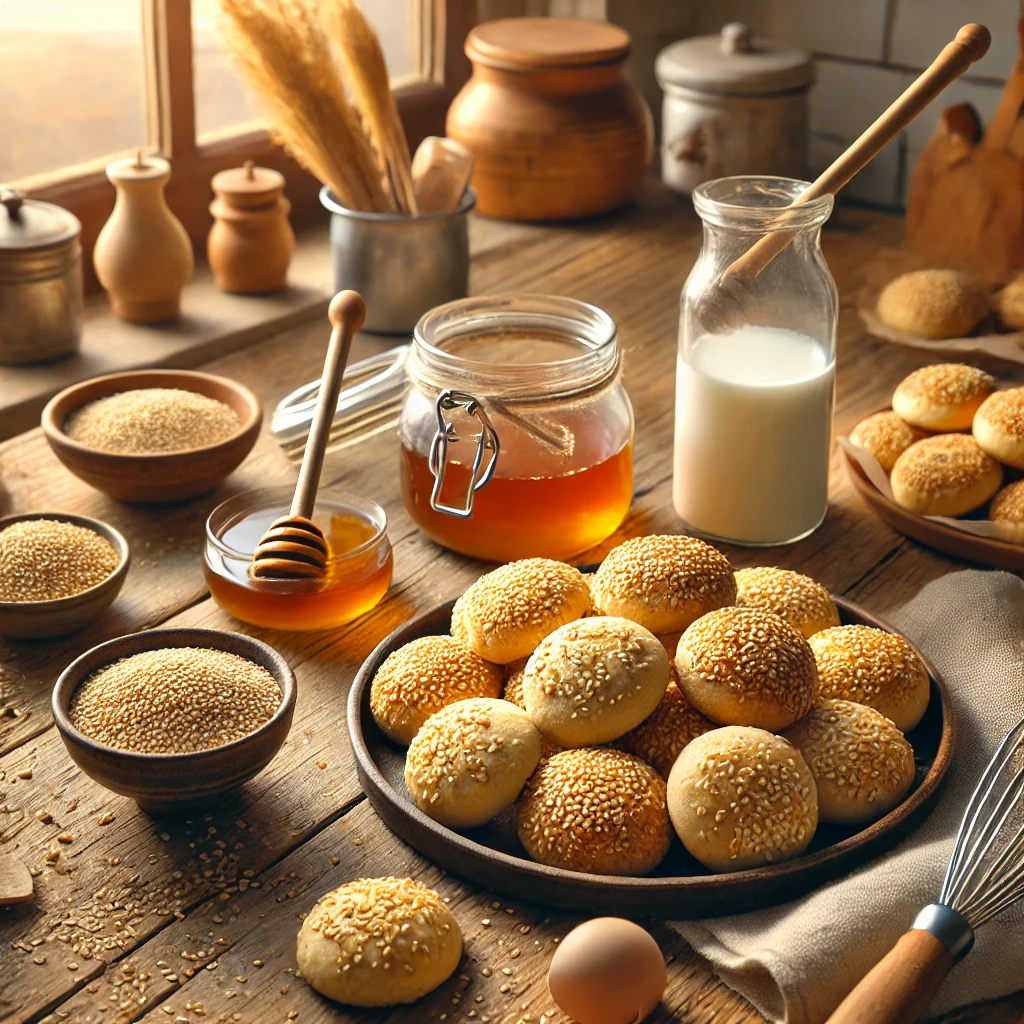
[(440, 28)]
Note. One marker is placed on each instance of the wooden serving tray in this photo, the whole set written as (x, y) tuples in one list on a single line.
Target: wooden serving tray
[(680, 888)]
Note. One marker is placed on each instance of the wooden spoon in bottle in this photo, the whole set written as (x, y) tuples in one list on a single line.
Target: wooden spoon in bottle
[(294, 548)]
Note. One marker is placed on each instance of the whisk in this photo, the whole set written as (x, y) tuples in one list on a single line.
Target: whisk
[(984, 877)]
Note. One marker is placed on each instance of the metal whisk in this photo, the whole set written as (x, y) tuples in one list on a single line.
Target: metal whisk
[(984, 877)]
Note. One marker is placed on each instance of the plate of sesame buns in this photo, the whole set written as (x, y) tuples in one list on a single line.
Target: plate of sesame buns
[(944, 464), (659, 735)]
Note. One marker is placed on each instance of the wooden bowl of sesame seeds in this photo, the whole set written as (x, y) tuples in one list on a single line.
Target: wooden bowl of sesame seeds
[(136, 473)]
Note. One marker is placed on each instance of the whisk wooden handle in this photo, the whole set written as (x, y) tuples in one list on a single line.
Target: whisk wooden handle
[(898, 989)]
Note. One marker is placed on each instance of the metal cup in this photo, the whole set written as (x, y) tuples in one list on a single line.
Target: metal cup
[(402, 266)]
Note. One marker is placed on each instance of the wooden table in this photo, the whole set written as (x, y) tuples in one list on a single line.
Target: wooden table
[(196, 920)]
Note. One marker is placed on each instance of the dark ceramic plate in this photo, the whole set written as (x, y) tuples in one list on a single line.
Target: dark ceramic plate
[(680, 887)]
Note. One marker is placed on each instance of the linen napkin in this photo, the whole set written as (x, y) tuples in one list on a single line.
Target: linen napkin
[(797, 962)]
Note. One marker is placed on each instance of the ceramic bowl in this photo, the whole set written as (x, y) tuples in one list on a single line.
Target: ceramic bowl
[(164, 784), (153, 479), (42, 619)]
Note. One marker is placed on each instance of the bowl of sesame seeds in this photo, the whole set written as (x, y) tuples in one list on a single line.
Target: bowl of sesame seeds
[(153, 436), (176, 719), (58, 572)]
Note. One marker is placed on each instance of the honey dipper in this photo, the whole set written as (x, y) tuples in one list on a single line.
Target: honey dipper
[(724, 311), (295, 547)]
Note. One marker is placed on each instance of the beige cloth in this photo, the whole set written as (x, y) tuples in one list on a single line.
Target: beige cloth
[(796, 962)]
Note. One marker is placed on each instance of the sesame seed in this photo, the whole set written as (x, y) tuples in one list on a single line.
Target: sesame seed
[(804, 603)]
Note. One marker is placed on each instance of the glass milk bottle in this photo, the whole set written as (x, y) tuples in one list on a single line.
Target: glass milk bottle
[(756, 373)]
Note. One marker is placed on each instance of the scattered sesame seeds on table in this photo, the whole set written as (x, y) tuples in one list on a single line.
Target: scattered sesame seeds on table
[(195, 919)]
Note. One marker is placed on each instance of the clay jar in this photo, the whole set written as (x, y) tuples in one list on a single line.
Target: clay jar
[(251, 242), (143, 256), (556, 131)]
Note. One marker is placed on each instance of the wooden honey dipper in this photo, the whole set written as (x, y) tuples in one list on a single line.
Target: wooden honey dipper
[(294, 547)]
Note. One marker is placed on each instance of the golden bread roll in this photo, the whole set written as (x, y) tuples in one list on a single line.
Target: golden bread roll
[(862, 764), (873, 667), (741, 798), (945, 475), (514, 694), (340, 955), (508, 611), (745, 666), (595, 810), (1009, 304), (886, 437), (1007, 508), (943, 397), (804, 603), (999, 426), (933, 304), (663, 582)]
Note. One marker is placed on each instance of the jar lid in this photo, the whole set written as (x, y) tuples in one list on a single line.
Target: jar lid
[(141, 167), (32, 224), (527, 44), (734, 62), (248, 180)]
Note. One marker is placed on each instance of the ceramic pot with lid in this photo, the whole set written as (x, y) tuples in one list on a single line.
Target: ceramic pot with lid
[(734, 104), (40, 281), (556, 131)]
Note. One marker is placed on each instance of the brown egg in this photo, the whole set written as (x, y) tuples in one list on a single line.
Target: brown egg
[(607, 971)]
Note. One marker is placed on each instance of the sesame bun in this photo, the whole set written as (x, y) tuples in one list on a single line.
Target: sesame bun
[(470, 760), (862, 765), (999, 426), (1009, 303), (945, 475), (942, 397), (595, 810), (424, 676), (741, 798), (872, 667), (660, 737), (514, 694), (340, 955), (805, 604), (593, 680), (663, 582), (886, 437), (933, 304), (1007, 508), (745, 666), (507, 612)]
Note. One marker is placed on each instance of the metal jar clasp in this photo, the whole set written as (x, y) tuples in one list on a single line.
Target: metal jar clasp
[(484, 460)]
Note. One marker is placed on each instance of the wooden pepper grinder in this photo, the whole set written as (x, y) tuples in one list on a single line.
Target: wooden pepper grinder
[(143, 256), (251, 242)]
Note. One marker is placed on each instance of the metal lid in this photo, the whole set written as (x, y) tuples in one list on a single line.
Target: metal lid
[(734, 62), (529, 44), (29, 224)]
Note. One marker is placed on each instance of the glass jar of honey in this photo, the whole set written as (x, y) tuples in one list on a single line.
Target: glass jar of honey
[(359, 561), (516, 434)]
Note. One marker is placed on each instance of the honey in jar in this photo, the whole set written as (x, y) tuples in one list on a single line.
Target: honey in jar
[(359, 562)]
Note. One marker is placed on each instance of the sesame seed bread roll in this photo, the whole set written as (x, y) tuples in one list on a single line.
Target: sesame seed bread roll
[(593, 680), (1009, 304), (745, 666), (470, 760), (804, 603), (340, 952), (422, 677), (872, 667), (999, 426), (740, 798), (933, 304), (1007, 509), (663, 582), (942, 397), (596, 810), (886, 437), (514, 693), (945, 475), (508, 611), (862, 764)]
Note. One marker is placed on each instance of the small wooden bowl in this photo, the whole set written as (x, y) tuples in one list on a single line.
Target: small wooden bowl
[(153, 479), (43, 619), (176, 783)]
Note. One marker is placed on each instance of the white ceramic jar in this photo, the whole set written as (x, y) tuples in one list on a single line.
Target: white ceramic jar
[(734, 104)]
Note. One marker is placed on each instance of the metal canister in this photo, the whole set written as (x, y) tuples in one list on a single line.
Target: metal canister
[(40, 281)]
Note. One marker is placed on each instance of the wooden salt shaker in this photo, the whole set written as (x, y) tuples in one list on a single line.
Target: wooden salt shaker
[(143, 256), (251, 242)]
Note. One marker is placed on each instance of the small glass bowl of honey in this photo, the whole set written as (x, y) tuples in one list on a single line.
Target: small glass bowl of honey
[(359, 563)]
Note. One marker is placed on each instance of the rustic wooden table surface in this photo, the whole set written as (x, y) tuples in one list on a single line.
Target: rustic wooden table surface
[(139, 919)]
